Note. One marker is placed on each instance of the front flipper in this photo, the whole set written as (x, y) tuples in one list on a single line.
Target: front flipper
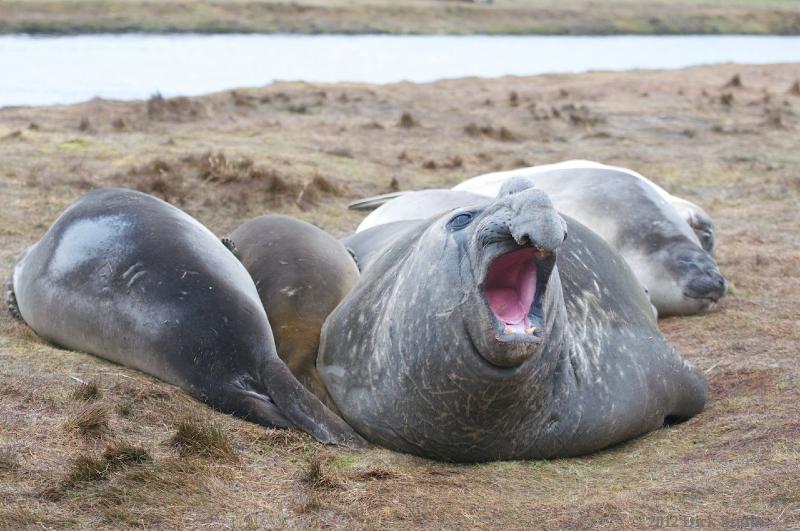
[(229, 245), (279, 400)]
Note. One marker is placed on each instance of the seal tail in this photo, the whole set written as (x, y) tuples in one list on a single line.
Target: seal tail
[(371, 203), (11, 299)]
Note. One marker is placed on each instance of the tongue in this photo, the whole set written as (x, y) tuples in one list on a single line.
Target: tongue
[(511, 286)]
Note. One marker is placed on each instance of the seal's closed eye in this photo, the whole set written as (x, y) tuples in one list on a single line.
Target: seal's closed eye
[(459, 221)]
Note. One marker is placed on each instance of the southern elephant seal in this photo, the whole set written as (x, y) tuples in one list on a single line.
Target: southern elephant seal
[(301, 273), (478, 335), (661, 248), (130, 278), (698, 219)]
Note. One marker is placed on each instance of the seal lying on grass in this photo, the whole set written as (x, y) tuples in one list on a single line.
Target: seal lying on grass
[(302, 273), (626, 211), (478, 335), (132, 279), (698, 219)]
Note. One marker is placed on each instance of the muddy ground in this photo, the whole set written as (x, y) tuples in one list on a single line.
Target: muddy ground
[(575, 17), (87, 443)]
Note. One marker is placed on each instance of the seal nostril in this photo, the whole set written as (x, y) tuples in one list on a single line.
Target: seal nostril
[(523, 239)]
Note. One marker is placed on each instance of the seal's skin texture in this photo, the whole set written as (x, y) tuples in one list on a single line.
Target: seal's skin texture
[(415, 362), (302, 273), (132, 279)]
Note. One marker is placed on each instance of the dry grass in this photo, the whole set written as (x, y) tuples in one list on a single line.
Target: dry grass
[(418, 16), (8, 460), (734, 465), (90, 420), (200, 438), (87, 391)]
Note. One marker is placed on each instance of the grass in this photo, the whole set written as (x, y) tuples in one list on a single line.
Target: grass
[(198, 437), (573, 17), (90, 420), (736, 464), (87, 391)]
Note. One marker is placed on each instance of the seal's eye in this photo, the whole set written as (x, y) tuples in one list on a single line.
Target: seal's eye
[(459, 221)]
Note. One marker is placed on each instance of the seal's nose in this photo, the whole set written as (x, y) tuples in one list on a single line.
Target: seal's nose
[(526, 214), (536, 224), (533, 219), (708, 284)]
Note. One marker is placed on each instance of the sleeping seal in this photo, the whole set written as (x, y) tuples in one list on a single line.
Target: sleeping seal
[(301, 273), (663, 251), (478, 335), (697, 218), (132, 279)]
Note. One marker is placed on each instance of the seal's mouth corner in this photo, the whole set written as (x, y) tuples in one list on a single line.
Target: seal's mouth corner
[(514, 286)]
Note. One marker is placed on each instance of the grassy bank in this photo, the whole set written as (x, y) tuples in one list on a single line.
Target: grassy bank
[(570, 17), (85, 443)]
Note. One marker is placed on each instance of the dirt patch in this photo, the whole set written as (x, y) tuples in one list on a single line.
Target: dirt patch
[(741, 382)]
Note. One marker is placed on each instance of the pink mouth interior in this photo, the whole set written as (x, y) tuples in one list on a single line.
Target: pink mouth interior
[(511, 287)]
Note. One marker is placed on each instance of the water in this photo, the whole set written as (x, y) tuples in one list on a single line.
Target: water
[(59, 70)]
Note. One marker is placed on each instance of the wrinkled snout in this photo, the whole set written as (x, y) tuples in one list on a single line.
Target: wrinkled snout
[(529, 217)]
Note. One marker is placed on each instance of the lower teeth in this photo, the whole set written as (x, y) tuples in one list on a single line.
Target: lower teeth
[(510, 330)]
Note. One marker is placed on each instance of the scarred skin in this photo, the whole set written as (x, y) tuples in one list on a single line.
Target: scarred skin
[(134, 280), (416, 361), (302, 273)]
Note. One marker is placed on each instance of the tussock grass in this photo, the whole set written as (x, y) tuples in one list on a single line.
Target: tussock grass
[(407, 121), (87, 391), (199, 437), (502, 133), (17, 518), (123, 454), (91, 420), (319, 472), (8, 460), (86, 469)]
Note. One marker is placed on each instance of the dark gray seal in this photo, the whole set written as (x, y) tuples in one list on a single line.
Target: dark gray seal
[(302, 273), (132, 279), (478, 335)]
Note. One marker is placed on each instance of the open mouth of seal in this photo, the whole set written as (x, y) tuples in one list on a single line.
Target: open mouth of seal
[(514, 286)]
